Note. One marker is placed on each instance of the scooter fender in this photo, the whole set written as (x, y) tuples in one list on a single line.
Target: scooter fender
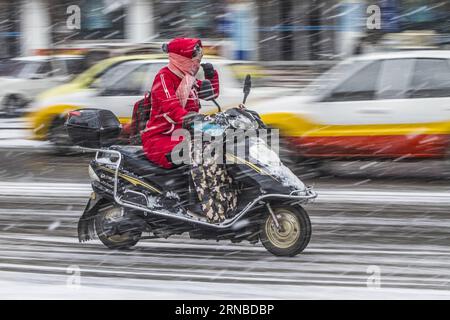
[(86, 225)]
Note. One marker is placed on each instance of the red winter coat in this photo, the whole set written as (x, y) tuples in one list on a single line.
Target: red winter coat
[(155, 141)]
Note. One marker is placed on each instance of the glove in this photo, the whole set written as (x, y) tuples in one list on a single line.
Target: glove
[(208, 70)]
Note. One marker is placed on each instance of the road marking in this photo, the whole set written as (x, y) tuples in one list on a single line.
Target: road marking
[(326, 195), (265, 279)]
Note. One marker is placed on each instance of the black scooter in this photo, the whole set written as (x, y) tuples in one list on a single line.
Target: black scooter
[(131, 196)]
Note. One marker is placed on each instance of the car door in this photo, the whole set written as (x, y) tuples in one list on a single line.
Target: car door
[(40, 77), (394, 119), (343, 117), (120, 89), (60, 72), (426, 111), (389, 108)]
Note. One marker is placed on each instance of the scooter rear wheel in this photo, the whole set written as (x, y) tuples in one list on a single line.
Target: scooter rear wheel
[(294, 235), (105, 223)]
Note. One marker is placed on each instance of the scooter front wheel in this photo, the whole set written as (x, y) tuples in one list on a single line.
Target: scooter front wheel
[(293, 234), (106, 226)]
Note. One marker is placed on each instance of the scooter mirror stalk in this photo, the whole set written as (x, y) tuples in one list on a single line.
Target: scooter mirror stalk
[(217, 105), (247, 87)]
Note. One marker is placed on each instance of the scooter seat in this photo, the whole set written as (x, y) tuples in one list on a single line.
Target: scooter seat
[(134, 160)]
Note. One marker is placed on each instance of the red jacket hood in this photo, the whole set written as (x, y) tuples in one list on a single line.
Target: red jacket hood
[(183, 46)]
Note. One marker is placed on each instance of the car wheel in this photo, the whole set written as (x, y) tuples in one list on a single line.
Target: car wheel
[(58, 136), (288, 154), (446, 165), (13, 105), (301, 166)]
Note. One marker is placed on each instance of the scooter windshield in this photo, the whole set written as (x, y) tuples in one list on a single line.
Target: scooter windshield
[(260, 153), (209, 128)]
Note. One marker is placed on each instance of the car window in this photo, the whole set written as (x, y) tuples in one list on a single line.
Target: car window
[(58, 67), (129, 84), (44, 68), (395, 76), (75, 66), (153, 69), (431, 79), (360, 86), (111, 74), (323, 84), (10, 68), (31, 68)]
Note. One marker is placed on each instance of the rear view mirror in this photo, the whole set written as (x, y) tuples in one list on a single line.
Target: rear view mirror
[(206, 91)]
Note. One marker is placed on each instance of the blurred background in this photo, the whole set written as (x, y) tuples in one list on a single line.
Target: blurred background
[(360, 91), (357, 61), (265, 30)]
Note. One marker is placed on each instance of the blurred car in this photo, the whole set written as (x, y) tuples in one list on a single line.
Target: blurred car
[(385, 105), (22, 79), (116, 84)]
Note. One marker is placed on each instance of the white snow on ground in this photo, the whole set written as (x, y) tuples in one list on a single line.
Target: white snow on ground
[(13, 123), (37, 246), (356, 195), (35, 262), (375, 196), (24, 143), (15, 135), (44, 189), (32, 286), (190, 269)]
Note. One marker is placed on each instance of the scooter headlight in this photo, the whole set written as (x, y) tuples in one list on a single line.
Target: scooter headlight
[(93, 175)]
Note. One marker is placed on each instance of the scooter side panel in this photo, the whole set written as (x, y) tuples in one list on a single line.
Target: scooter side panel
[(253, 176), (86, 225)]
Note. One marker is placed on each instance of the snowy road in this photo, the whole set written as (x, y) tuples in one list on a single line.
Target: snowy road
[(362, 227), (15, 134), (407, 245)]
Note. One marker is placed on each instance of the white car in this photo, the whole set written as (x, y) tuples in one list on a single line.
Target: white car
[(22, 79), (384, 105)]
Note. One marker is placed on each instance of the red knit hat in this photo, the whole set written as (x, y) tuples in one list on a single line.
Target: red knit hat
[(182, 46)]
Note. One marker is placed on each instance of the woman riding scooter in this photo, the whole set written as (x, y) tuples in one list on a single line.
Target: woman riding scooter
[(174, 99)]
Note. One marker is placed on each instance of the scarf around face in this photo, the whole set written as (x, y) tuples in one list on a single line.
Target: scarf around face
[(186, 69)]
